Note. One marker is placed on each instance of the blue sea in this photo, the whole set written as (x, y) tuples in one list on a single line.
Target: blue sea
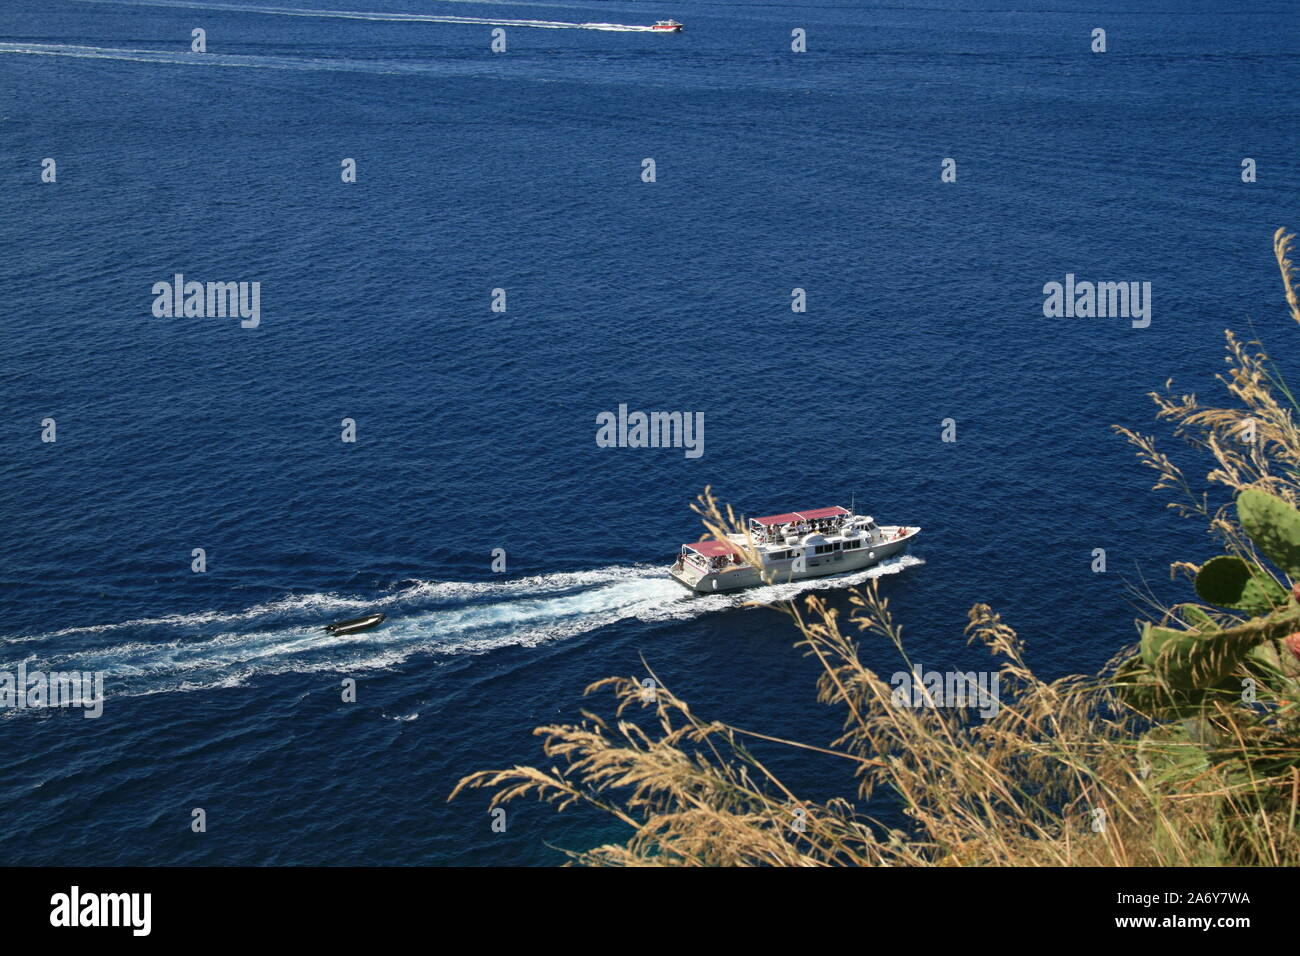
[(475, 429)]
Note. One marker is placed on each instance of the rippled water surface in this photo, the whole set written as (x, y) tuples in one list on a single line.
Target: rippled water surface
[(476, 428)]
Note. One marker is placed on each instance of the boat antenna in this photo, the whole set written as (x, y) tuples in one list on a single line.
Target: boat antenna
[(853, 506)]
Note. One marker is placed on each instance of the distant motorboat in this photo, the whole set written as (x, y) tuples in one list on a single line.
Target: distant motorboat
[(670, 26), (356, 624)]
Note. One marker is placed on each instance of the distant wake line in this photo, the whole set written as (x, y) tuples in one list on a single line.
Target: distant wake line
[(202, 59), (226, 649), (380, 16)]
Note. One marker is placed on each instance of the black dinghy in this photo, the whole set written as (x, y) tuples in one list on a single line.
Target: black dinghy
[(356, 625)]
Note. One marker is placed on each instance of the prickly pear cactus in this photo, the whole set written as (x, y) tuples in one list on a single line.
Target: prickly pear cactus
[(1241, 649), (1273, 526), (1228, 581), (1177, 668)]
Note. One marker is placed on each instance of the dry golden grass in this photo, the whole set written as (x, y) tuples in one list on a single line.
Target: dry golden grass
[(1062, 775)]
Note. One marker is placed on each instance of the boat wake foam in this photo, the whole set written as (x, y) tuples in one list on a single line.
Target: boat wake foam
[(403, 67), (379, 16), (185, 58), (213, 649)]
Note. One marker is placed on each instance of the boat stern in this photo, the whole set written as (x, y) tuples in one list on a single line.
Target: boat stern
[(687, 575)]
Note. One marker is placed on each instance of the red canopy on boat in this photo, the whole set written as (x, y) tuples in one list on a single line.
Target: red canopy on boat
[(794, 516)]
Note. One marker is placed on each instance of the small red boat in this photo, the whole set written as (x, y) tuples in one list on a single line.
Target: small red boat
[(671, 26)]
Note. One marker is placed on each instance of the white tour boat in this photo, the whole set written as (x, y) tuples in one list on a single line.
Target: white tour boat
[(792, 547)]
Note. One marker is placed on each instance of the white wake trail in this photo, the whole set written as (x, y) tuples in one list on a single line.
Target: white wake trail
[(379, 16), (194, 59), (224, 649)]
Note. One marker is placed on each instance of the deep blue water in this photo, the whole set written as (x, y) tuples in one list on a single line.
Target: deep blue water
[(476, 430)]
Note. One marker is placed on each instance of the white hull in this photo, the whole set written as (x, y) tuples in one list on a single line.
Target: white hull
[(803, 565)]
